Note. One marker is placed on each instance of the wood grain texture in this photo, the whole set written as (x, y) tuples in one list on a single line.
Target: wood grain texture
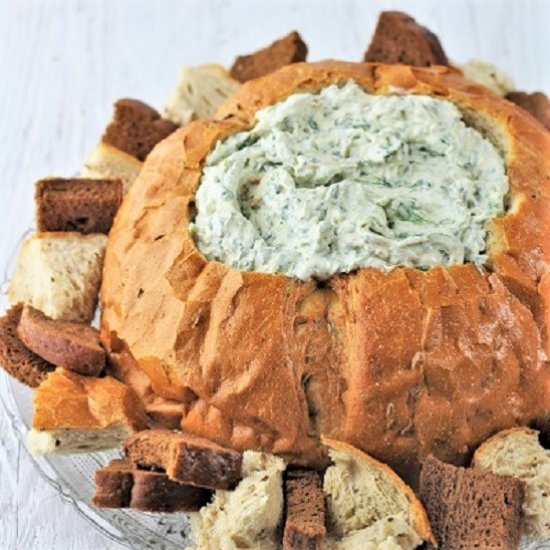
[(64, 62)]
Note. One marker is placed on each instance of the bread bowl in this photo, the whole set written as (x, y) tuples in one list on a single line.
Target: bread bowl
[(400, 363)]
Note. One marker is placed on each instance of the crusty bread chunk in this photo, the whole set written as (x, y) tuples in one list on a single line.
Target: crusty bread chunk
[(304, 511), (470, 509), (536, 104), (398, 38), (162, 413), (488, 75), (198, 93), (369, 506), (518, 453), (16, 359), (77, 204), (248, 516), (121, 484), (108, 162), (136, 128), (74, 346), (285, 51), (75, 413), (186, 458), (60, 274)]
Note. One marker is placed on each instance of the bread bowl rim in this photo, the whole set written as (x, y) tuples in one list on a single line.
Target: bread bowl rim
[(187, 148)]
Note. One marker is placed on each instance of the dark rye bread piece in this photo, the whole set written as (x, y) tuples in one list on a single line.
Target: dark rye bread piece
[(398, 38), (77, 204), (285, 51), (305, 511), (543, 427), (536, 103), (113, 485), (136, 128), (155, 492), (15, 358), (469, 509), (186, 458), (122, 485), (74, 346)]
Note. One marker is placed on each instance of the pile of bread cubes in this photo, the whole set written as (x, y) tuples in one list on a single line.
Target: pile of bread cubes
[(251, 499)]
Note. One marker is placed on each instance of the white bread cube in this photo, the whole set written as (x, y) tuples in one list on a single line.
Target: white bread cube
[(60, 274), (248, 516), (199, 92), (488, 75), (518, 453), (108, 162)]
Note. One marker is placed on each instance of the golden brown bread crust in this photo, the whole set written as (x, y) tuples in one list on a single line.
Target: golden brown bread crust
[(399, 364), (69, 400)]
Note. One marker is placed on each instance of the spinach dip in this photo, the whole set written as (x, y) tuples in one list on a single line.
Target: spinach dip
[(328, 182)]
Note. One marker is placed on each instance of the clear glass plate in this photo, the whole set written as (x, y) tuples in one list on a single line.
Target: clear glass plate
[(73, 477)]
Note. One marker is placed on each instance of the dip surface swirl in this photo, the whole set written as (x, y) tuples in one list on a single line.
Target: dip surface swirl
[(329, 182)]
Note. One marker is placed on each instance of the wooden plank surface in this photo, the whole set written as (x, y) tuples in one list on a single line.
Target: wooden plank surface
[(64, 62)]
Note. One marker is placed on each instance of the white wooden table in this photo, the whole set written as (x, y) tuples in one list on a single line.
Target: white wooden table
[(64, 62)]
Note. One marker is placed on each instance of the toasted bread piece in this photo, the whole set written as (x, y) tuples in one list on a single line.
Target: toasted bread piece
[(198, 93), (74, 346), (108, 162), (536, 103), (518, 453), (285, 51), (122, 485), (75, 413), (250, 515), (77, 204), (369, 506), (470, 509), (398, 38), (186, 458), (19, 361), (136, 128), (488, 75), (60, 274), (113, 484), (305, 511)]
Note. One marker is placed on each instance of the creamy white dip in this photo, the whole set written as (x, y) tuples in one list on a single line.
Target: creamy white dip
[(326, 183)]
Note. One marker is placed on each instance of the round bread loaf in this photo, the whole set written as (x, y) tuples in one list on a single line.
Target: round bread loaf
[(400, 364)]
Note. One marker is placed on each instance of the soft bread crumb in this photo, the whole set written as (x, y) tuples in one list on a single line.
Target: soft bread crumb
[(248, 516), (488, 75), (518, 453), (199, 92), (391, 533), (366, 509), (59, 274), (108, 162), (65, 441)]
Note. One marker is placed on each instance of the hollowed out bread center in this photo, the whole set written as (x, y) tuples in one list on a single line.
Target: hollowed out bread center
[(331, 181)]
